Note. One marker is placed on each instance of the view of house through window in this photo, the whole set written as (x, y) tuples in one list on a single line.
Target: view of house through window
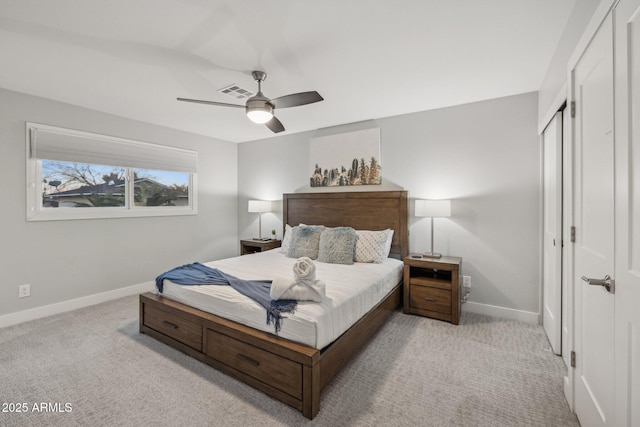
[(81, 185), (77, 185), (160, 188), (74, 174)]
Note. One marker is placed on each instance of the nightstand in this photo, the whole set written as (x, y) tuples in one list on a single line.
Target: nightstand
[(252, 246), (431, 287)]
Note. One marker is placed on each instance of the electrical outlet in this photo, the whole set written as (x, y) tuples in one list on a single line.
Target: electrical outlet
[(466, 281), (24, 291)]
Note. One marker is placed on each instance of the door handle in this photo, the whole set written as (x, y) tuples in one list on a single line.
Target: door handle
[(608, 283)]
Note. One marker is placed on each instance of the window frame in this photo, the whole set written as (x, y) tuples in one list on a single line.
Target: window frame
[(36, 211)]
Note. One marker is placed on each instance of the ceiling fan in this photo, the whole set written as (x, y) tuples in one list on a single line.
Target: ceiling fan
[(260, 109)]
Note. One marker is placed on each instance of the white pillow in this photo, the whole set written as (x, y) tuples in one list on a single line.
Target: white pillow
[(373, 246), (286, 239)]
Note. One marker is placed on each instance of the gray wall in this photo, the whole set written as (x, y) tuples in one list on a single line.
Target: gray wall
[(63, 260), (484, 156), (556, 75)]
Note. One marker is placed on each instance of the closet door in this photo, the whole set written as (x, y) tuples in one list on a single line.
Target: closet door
[(552, 226)]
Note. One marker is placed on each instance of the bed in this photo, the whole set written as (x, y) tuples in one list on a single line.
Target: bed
[(290, 371)]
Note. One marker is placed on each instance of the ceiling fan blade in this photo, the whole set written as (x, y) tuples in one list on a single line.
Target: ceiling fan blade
[(221, 104), (275, 125), (297, 99)]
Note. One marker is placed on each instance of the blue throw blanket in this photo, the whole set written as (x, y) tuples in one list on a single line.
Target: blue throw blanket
[(257, 290)]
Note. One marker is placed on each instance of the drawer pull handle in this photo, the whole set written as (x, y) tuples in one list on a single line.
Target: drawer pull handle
[(247, 359), (169, 324), (430, 299)]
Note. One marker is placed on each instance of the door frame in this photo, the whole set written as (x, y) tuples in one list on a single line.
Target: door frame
[(567, 213), (627, 269)]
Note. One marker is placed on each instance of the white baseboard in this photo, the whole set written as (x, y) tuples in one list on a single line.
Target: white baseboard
[(505, 313), (568, 392), (74, 304)]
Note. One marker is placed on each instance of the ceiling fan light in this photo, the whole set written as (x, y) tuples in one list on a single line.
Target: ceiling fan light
[(259, 109), (260, 115)]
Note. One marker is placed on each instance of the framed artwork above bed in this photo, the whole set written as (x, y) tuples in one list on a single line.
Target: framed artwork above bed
[(345, 159)]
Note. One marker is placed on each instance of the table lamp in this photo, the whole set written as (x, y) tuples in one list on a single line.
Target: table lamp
[(260, 207), (433, 209)]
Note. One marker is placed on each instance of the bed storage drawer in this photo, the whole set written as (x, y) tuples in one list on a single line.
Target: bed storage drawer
[(175, 324), (271, 369)]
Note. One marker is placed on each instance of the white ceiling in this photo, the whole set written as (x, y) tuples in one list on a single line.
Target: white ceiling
[(368, 58)]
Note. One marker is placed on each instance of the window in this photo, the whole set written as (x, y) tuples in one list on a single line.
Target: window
[(80, 175), (81, 185)]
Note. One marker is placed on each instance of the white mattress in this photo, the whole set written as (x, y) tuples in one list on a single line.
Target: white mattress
[(352, 290)]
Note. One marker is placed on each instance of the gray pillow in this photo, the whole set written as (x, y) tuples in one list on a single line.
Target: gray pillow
[(337, 245), (305, 241)]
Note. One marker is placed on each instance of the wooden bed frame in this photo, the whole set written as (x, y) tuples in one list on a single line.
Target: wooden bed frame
[(290, 372)]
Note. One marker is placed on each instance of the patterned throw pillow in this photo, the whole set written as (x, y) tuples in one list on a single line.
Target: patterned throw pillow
[(373, 246), (337, 245), (305, 241)]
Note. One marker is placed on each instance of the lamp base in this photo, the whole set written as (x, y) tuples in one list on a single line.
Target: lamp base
[(431, 255), (262, 239)]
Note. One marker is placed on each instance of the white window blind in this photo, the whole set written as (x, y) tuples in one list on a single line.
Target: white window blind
[(68, 145)]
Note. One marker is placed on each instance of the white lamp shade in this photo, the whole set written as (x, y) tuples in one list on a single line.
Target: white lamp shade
[(259, 206), (433, 208)]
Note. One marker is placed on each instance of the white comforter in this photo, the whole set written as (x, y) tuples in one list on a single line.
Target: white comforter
[(351, 291)]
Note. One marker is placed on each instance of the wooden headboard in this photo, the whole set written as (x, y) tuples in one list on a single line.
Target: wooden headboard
[(367, 210)]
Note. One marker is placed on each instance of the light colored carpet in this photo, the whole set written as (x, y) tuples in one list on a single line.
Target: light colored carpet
[(416, 371)]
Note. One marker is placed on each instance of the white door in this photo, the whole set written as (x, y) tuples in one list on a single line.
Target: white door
[(552, 226), (594, 226), (627, 316)]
